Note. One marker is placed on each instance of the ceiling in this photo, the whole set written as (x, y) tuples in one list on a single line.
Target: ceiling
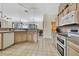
[(34, 11)]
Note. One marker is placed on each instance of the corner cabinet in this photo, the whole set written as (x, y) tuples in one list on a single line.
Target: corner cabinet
[(71, 18)]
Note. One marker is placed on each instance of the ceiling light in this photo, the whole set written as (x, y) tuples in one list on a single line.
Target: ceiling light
[(0, 11), (26, 11), (8, 18)]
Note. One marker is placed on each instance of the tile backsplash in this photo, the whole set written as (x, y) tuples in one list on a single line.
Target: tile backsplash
[(68, 28)]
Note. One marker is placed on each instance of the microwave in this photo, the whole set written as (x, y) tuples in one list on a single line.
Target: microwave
[(70, 18)]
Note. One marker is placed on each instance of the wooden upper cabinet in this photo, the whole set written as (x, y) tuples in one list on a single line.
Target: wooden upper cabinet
[(70, 15), (62, 6), (72, 7)]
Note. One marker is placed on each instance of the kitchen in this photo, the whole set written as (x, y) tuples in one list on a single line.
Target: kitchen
[(68, 28), (30, 29)]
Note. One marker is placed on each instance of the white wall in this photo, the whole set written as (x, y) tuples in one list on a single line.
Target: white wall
[(40, 25), (47, 27)]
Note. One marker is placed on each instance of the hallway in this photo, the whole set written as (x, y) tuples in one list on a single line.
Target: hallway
[(44, 47)]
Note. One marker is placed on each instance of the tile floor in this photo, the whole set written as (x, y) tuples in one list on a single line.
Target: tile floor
[(44, 47)]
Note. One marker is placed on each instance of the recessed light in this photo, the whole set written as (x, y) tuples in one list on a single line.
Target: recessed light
[(0, 11), (26, 10)]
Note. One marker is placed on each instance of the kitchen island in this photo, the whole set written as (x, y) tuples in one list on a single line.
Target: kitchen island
[(9, 38), (25, 36)]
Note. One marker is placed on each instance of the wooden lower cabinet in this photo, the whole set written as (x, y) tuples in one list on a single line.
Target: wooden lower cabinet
[(72, 49), (35, 37), (17, 37), (20, 37), (30, 36), (0, 41), (72, 52), (25, 36)]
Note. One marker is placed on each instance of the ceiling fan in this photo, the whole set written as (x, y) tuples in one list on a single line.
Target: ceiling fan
[(8, 18), (23, 7)]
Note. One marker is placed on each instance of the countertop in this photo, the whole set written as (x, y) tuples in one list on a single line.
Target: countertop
[(64, 34), (74, 37), (24, 30), (17, 31), (6, 31)]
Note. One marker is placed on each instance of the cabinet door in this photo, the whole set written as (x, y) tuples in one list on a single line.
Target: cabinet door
[(8, 39), (70, 49), (18, 37), (24, 36), (72, 52), (6, 24), (0, 41), (9, 24), (3, 24), (35, 38), (30, 36)]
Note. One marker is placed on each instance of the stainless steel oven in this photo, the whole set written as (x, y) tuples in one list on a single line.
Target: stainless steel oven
[(62, 45)]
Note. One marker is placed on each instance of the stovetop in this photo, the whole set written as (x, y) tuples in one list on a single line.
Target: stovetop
[(64, 34)]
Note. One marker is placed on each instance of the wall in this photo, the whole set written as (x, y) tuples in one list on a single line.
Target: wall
[(40, 25), (47, 26)]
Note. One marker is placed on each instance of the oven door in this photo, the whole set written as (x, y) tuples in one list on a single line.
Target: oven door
[(62, 45), (60, 40), (60, 49)]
